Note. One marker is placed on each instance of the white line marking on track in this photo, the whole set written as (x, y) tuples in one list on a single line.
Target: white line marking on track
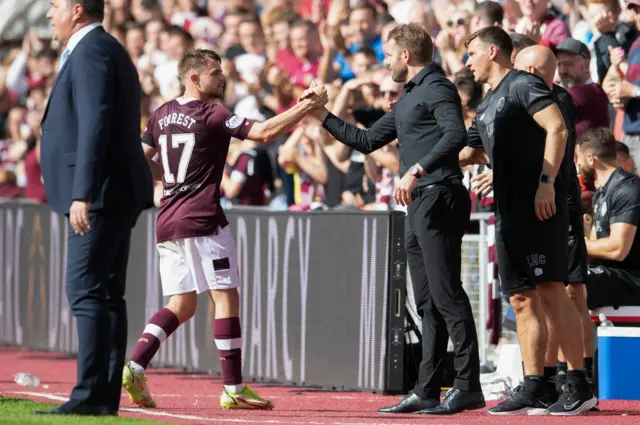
[(160, 413)]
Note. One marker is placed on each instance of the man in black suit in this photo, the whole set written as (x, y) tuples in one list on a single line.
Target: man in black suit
[(95, 173)]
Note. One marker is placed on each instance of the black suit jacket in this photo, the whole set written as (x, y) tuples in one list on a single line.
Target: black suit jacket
[(91, 146)]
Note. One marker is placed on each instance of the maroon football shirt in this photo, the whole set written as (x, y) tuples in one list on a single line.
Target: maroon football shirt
[(592, 107), (192, 139)]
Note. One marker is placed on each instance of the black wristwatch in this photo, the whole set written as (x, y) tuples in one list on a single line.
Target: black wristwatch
[(415, 172), (545, 178)]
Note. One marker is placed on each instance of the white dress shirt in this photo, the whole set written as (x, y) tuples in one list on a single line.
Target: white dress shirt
[(74, 40)]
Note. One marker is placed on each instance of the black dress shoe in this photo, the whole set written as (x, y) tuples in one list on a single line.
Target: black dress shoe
[(456, 401), (410, 404), (74, 409)]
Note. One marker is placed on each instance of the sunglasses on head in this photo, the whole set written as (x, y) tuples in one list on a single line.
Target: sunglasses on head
[(459, 22), (389, 92)]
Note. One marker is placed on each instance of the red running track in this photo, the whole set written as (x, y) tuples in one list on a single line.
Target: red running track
[(193, 399)]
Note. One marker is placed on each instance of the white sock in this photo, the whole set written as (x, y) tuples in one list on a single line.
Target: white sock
[(234, 388), (136, 367)]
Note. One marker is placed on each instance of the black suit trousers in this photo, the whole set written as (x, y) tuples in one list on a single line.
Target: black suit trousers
[(436, 221), (96, 280)]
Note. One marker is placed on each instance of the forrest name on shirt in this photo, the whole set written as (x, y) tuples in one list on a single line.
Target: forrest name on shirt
[(176, 118)]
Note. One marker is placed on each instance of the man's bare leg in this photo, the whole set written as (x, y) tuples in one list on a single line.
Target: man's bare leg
[(578, 295), (532, 336)]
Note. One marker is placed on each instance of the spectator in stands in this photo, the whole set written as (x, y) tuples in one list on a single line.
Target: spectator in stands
[(33, 66), (587, 207), (592, 105), (247, 178), (621, 86), (520, 42), (153, 55), (450, 41), (166, 75), (299, 60), (146, 10), (303, 157), (34, 187), (363, 31), (614, 245), (539, 24), (135, 41), (470, 94), (486, 14), (608, 33), (624, 160)]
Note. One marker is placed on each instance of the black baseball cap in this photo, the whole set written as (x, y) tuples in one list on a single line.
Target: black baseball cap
[(573, 46)]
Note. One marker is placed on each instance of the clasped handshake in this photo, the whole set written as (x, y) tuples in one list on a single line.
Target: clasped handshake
[(316, 97)]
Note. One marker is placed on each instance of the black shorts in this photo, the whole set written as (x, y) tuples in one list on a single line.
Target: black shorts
[(531, 253), (577, 250), (612, 287)]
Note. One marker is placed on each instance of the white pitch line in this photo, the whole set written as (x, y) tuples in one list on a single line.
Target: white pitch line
[(51, 396)]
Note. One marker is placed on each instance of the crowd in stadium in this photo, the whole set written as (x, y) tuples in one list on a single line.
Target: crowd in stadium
[(273, 50)]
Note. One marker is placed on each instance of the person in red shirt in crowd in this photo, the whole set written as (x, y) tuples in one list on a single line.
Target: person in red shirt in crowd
[(539, 24), (592, 105)]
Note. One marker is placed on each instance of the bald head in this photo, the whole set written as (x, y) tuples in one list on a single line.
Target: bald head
[(538, 60)]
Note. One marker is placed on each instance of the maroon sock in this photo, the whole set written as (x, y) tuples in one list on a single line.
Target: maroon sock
[(160, 326), (228, 338)]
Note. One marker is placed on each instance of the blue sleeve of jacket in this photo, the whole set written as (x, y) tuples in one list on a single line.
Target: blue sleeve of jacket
[(93, 88)]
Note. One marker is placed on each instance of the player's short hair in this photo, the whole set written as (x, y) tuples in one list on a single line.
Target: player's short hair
[(195, 59), (493, 35), (521, 41), (490, 12), (600, 142), (93, 8), (415, 39)]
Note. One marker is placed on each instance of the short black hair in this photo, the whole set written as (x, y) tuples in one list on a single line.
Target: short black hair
[(601, 143), (490, 12), (622, 148), (385, 18), (474, 90), (367, 51), (93, 8), (521, 41), (175, 30), (493, 35)]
